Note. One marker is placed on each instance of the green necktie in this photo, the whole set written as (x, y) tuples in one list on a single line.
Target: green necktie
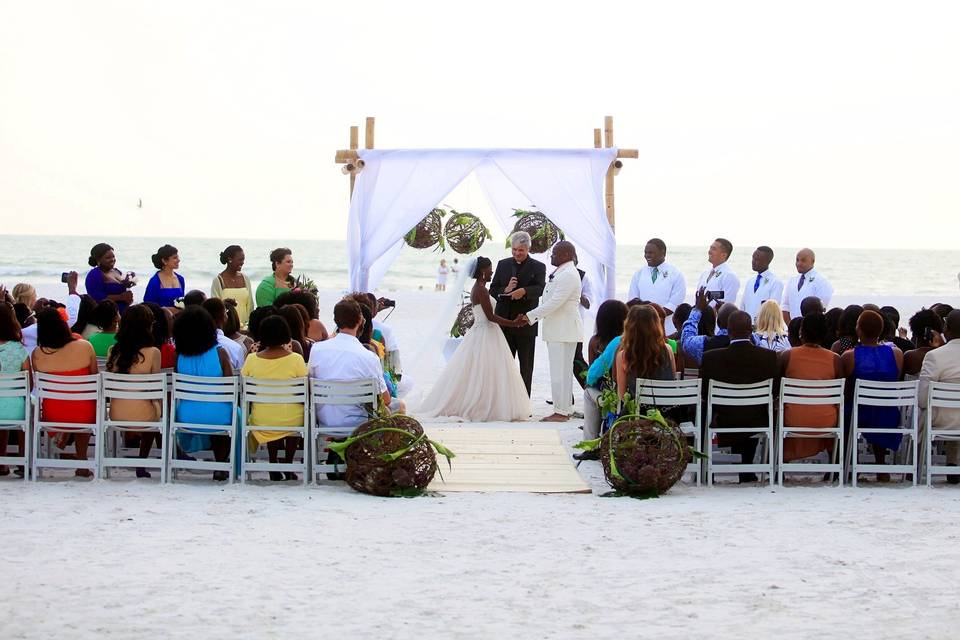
[(655, 273)]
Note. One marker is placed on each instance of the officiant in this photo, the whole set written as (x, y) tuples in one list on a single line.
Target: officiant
[(517, 286)]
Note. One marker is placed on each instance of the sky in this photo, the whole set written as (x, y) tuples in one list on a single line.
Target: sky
[(830, 124)]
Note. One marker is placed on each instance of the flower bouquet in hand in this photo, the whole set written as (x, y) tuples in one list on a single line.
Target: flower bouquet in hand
[(303, 283)]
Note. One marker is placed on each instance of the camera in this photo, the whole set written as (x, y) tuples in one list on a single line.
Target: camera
[(713, 295), (64, 277), (385, 303)]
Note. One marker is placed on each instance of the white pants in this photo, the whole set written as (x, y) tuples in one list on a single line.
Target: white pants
[(561, 376)]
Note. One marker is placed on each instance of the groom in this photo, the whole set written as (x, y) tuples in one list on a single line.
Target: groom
[(562, 326), (517, 285)]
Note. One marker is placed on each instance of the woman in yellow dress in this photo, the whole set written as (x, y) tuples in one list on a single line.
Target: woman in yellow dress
[(275, 362), (233, 284)]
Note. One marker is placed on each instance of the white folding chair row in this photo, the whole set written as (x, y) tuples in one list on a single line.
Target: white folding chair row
[(664, 394), (50, 386), (894, 395), (940, 395), (740, 395), (16, 388), (293, 391), (794, 391), (335, 392)]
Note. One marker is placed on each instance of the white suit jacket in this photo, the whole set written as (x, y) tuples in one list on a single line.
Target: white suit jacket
[(941, 365), (559, 308)]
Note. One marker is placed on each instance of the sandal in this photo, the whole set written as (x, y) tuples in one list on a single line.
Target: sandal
[(289, 475), (276, 476)]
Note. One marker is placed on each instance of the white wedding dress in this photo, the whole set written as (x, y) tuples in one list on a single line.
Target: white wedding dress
[(481, 382)]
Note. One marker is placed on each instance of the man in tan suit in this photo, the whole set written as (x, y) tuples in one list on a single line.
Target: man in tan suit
[(943, 365), (562, 329)]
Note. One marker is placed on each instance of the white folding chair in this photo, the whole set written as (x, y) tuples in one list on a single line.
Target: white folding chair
[(900, 395), (940, 395), (17, 386), (49, 386), (202, 389), (666, 393), (150, 387), (691, 373), (740, 395), (101, 363), (261, 391), (335, 392), (810, 392)]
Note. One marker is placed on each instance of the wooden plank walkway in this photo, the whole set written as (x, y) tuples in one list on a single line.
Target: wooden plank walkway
[(509, 459)]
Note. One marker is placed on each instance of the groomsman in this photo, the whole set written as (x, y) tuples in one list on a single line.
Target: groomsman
[(659, 281), (807, 283), (517, 286), (765, 286), (719, 282)]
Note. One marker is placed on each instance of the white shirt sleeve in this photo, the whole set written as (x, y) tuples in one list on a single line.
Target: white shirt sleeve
[(678, 291), (73, 308), (731, 287), (634, 291), (776, 291), (826, 292), (788, 292), (564, 287)]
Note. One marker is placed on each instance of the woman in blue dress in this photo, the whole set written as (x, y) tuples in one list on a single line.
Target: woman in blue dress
[(166, 286), (195, 335), (881, 362)]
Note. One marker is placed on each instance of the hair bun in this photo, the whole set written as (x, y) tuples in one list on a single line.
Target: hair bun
[(91, 261), (223, 257), (155, 259)]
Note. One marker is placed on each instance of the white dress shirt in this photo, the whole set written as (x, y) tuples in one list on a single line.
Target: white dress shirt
[(720, 278), (342, 357), (558, 308), (941, 365), (668, 291), (770, 288), (814, 285), (234, 349)]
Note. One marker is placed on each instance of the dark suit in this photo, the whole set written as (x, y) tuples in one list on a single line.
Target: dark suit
[(531, 277), (739, 363)]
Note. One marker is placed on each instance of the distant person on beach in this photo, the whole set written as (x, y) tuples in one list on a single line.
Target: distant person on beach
[(719, 282), (166, 286), (455, 267), (808, 282), (442, 274), (104, 281), (281, 280), (233, 284), (764, 286), (659, 281)]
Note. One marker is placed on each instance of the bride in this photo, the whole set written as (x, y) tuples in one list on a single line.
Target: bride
[(481, 382)]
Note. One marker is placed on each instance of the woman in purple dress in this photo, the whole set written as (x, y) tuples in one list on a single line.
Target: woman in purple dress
[(104, 281)]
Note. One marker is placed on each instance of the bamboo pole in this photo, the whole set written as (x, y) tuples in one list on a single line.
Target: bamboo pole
[(354, 143), (596, 139), (344, 156), (368, 135), (608, 142)]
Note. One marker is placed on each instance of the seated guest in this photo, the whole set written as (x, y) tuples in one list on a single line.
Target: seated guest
[(643, 352), (166, 286), (24, 294), (280, 280), (833, 326), (793, 332), (366, 334), (162, 330), (663, 318), (315, 329), (942, 309), (742, 362), (890, 328), (872, 360), (809, 361), (766, 285), (218, 311), (104, 281), (719, 280), (694, 344), (60, 353), (943, 365), (659, 281), (344, 358), (808, 282), (275, 362), (199, 354), (84, 324), (194, 297), (382, 332), (107, 317), (609, 325), (13, 358), (811, 304), (923, 325), (847, 329), (257, 316), (233, 284), (771, 332), (134, 352), (72, 308), (610, 319), (680, 315), (297, 331), (232, 328)]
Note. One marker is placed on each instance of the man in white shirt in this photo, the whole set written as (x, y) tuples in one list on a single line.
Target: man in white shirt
[(342, 357), (942, 364), (72, 303), (719, 282), (235, 351), (562, 327), (807, 283), (765, 286), (659, 281)]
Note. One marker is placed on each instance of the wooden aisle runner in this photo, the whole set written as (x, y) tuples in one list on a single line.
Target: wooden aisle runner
[(518, 460)]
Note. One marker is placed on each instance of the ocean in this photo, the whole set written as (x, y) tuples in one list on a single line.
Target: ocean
[(40, 260)]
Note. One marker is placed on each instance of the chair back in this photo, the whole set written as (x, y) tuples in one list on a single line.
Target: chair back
[(343, 392), (740, 395), (50, 386), (262, 390), (668, 392), (815, 392), (885, 394), (205, 389), (690, 373), (135, 386), (101, 363), (16, 385), (943, 395)]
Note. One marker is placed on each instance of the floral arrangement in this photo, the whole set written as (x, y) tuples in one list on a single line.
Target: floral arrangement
[(304, 284)]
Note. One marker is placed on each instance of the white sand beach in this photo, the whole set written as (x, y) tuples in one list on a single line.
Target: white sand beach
[(131, 559)]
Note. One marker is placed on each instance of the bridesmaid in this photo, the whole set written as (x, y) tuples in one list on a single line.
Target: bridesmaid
[(232, 284), (280, 281), (104, 281), (166, 285)]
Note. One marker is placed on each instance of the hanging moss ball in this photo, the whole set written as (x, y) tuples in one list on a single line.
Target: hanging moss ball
[(428, 231), (465, 233), (543, 233)]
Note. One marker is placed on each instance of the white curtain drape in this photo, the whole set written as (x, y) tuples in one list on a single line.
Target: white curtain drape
[(398, 187)]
